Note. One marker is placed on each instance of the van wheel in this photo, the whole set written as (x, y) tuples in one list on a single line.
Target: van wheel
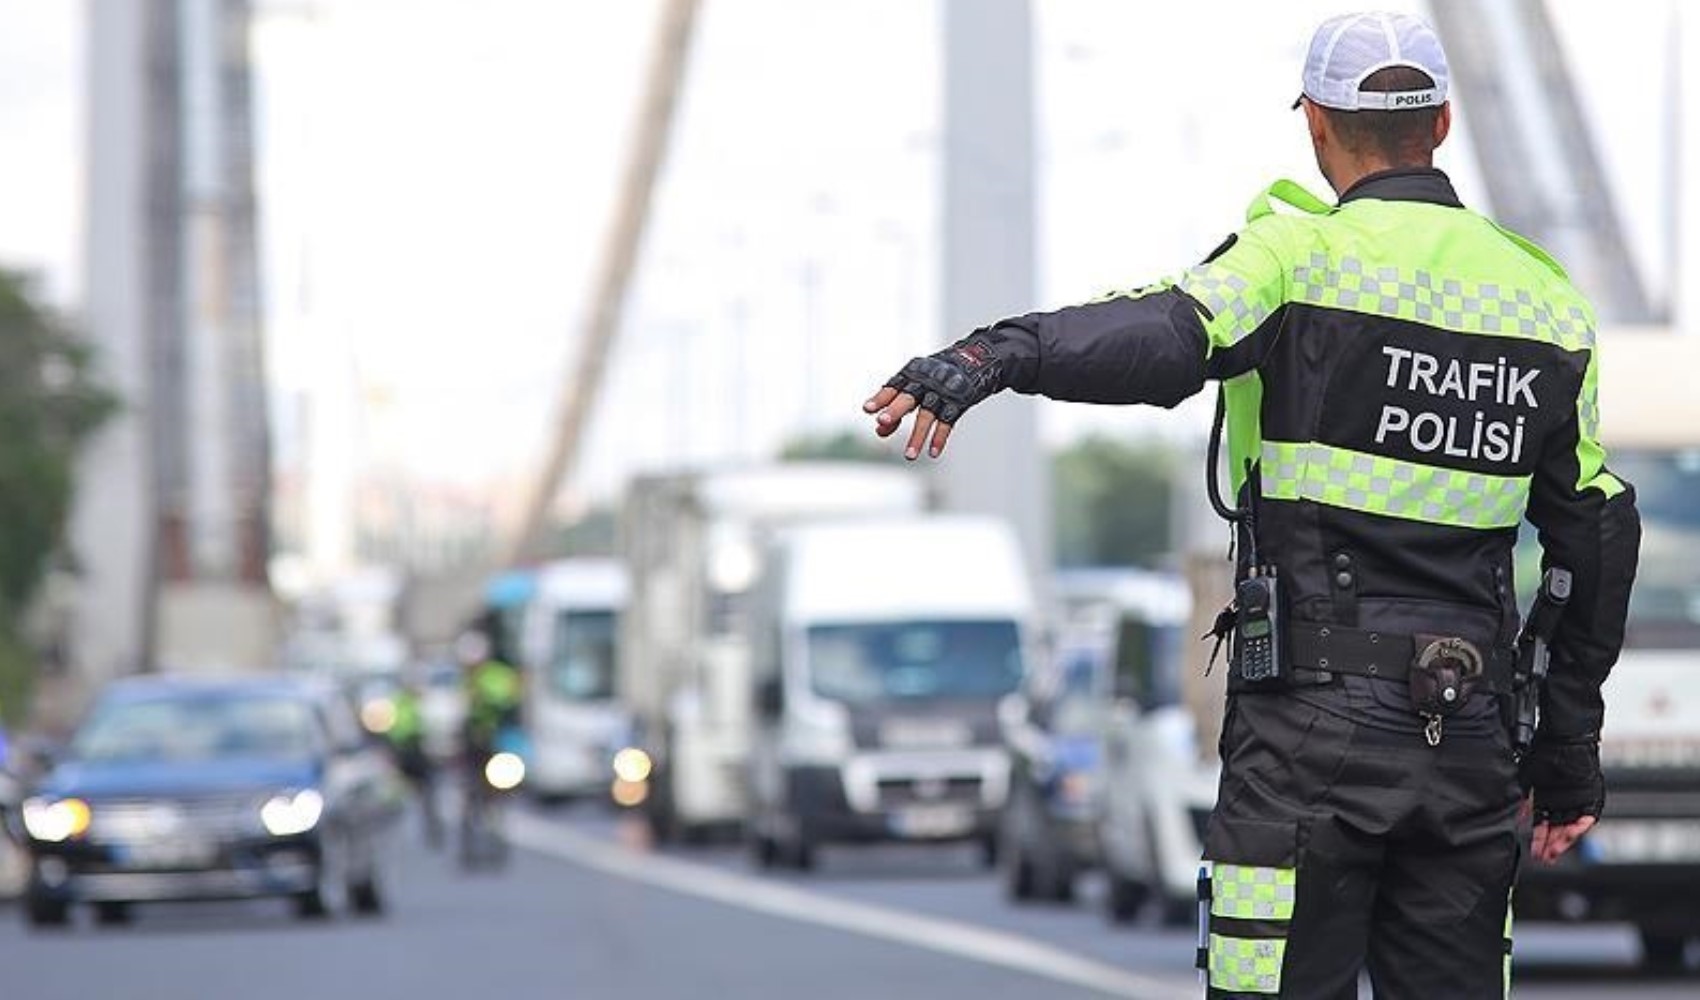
[(112, 913), (1018, 880), (40, 911), (1662, 952), (366, 897), (1178, 912), (1061, 888), (1124, 898), (763, 851)]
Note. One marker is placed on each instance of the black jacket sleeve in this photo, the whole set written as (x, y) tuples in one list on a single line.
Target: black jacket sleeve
[(1148, 348), (1587, 523)]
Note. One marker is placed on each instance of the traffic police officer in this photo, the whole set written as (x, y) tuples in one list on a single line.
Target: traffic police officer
[(1404, 382)]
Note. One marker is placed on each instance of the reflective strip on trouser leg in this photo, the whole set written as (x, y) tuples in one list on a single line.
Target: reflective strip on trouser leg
[(1246, 965), (1260, 893), (1246, 892)]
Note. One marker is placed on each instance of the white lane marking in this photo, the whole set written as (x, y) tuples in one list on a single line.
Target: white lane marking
[(933, 933)]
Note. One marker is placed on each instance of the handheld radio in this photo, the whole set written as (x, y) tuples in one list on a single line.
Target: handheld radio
[(1255, 655)]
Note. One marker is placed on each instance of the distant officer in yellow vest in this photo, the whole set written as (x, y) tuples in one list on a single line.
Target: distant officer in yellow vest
[(406, 736)]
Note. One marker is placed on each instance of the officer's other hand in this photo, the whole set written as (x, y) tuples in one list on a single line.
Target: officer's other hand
[(1567, 792), (1553, 839), (939, 389)]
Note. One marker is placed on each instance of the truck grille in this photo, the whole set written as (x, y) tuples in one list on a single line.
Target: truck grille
[(897, 793)]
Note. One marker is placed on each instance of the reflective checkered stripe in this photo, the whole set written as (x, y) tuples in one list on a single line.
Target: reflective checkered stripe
[(1245, 892), (1422, 297), (1238, 302), (1354, 480), (1246, 965), (1259, 893)]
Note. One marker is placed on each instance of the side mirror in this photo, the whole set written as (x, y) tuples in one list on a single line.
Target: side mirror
[(770, 698)]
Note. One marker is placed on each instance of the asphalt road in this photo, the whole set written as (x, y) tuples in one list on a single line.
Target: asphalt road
[(586, 911)]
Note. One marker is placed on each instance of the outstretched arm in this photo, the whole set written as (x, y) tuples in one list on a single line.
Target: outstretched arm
[(1156, 345)]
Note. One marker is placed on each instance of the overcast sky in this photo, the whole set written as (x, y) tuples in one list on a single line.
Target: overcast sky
[(436, 178)]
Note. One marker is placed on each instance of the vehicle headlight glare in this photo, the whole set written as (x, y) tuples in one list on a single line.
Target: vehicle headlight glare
[(633, 766), (289, 814), (504, 771), (55, 821), (378, 716)]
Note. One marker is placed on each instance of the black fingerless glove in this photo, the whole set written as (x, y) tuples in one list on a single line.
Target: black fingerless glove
[(949, 382), (1564, 776)]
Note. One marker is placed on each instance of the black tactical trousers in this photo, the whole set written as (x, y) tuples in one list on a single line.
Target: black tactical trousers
[(1335, 847)]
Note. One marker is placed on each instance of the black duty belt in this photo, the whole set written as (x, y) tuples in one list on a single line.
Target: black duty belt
[(1327, 650)]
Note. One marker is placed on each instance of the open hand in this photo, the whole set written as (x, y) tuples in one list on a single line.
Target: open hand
[(890, 406)]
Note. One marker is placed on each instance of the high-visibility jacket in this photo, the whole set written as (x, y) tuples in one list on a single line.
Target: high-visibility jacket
[(493, 693), (1405, 382)]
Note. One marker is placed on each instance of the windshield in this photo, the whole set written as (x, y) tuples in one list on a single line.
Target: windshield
[(910, 661), (197, 727), (582, 665), (1664, 607)]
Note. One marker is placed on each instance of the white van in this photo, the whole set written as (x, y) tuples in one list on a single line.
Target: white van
[(567, 651), (1159, 783), (881, 651)]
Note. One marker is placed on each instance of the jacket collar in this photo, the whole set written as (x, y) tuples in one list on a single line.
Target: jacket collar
[(1425, 184)]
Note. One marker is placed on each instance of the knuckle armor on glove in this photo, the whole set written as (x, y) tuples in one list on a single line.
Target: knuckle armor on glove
[(946, 384), (1565, 779)]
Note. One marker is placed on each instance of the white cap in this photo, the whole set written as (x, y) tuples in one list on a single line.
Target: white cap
[(1348, 48)]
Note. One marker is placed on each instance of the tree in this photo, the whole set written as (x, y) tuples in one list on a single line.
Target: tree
[(49, 405), (1111, 503)]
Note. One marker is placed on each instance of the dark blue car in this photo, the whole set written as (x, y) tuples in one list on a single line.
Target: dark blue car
[(198, 788)]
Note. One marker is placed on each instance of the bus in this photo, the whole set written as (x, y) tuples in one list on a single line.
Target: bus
[(571, 716)]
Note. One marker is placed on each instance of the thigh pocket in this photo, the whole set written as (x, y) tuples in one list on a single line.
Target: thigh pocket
[(1247, 886)]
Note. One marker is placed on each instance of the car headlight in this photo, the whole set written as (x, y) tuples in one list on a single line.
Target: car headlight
[(56, 820), (288, 814), (378, 716), (504, 771), (633, 765)]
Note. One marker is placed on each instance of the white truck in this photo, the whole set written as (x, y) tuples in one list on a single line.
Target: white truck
[(1641, 864), (692, 545), (882, 650), (571, 717)]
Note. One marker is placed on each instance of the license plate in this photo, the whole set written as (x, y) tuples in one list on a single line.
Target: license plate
[(176, 853), (1644, 842), (924, 822)]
